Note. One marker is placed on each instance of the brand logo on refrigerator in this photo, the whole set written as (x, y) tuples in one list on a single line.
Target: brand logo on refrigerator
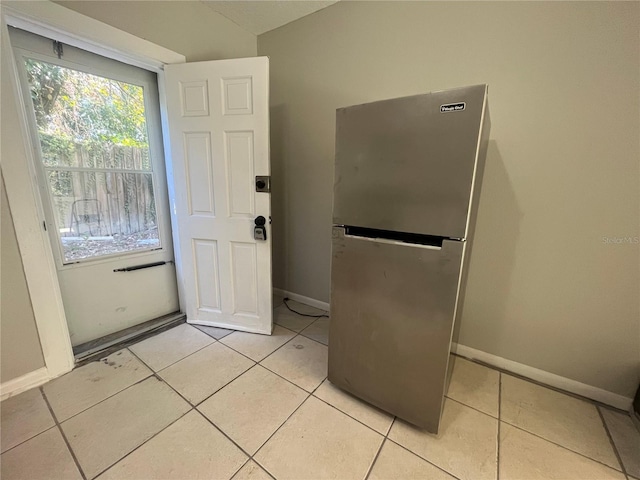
[(452, 107)]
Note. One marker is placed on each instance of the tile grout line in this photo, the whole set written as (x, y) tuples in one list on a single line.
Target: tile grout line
[(194, 407), (152, 374), (472, 408), (282, 346), (561, 446), (296, 334), (312, 323), (249, 460), (161, 380), (596, 404), (540, 384), (191, 409), (64, 437), (375, 458), (197, 404), (271, 436), (180, 359), (214, 338), (348, 415), (111, 395), (227, 437), (395, 442), (30, 438), (324, 313), (144, 443), (498, 437), (281, 425), (157, 377), (613, 444), (393, 421), (241, 466), (255, 363), (224, 386)]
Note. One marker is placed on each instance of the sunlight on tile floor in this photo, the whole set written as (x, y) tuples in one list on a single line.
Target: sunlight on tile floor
[(207, 403)]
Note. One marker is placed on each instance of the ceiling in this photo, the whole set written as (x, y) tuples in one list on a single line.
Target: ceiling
[(261, 16)]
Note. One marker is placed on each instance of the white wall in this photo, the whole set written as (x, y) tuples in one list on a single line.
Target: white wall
[(562, 169)]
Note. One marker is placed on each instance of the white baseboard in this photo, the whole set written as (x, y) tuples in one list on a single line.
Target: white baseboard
[(542, 376), (25, 382), (547, 378), (312, 302)]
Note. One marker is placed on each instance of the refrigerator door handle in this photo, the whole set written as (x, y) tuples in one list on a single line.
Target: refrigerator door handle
[(394, 242)]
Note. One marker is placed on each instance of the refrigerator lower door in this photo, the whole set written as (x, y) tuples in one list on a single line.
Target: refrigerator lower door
[(392, 313)]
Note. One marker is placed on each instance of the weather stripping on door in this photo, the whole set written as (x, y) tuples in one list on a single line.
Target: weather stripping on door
[(140, 267)]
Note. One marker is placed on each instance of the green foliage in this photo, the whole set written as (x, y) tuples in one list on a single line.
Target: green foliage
[(56, 149), (74, 108)]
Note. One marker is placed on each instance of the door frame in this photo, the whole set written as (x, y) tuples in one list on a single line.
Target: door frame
[(18, 166)]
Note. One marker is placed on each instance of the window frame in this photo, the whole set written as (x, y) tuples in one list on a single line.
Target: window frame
[(108, 68)]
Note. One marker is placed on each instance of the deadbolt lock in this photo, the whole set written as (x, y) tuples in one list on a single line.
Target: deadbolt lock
[(263, 183)]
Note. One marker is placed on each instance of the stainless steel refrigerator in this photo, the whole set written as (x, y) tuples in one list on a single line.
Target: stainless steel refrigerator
[(407, 184)]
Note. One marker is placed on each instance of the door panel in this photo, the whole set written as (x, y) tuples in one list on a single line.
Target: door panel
[(198, 164), (219, 135), (238, 155), (244, 278), (205, 261)]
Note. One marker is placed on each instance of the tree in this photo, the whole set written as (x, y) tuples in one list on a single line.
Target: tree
[(81, 108)]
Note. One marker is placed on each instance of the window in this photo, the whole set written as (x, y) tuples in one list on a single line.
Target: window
[(96, 159)]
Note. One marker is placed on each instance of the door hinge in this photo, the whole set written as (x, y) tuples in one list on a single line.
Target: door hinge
[(44, 225)]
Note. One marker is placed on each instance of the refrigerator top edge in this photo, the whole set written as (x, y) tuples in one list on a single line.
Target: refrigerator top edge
[(412, 164), (483, 86)]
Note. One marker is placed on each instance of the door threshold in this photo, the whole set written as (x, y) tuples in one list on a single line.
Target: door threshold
[(104, 346)]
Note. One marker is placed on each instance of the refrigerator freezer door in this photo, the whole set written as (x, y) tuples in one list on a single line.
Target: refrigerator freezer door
[(408, 164), (392, 314)]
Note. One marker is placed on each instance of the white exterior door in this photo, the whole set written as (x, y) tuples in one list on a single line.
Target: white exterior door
[(100, 171), (218, 114)]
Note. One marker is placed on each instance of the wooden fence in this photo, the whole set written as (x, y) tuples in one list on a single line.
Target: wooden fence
[(97, 202)]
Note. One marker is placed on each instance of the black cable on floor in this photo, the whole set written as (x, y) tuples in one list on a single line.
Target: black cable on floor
[(302, 314)]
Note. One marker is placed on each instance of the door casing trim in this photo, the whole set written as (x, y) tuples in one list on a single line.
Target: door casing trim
[(49, 19)]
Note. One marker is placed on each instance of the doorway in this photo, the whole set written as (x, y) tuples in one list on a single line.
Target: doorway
[(95, 126)]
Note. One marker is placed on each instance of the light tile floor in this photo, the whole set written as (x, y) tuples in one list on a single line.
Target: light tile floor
[(207, 403)]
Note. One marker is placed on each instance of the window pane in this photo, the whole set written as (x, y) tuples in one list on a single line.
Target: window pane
[(92, 131), (103, 213), (81, 117)]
